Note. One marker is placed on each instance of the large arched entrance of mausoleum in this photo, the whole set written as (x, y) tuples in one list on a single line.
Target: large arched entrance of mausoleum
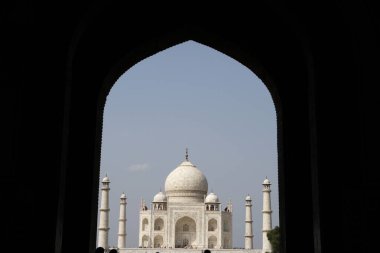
[(185, 233)]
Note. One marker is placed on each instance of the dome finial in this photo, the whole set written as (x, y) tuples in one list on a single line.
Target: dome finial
[(187, 154)]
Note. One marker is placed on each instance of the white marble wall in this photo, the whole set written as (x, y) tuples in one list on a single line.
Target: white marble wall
[(196, 212)]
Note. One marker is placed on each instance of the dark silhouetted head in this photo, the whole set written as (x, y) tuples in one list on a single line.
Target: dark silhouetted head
[(99, 250)]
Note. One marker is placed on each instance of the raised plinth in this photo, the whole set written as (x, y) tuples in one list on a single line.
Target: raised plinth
[(176, 250)]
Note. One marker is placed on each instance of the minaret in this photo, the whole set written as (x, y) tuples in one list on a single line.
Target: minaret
[(104, 215), (248, 223), (267, 215), (122, 235)]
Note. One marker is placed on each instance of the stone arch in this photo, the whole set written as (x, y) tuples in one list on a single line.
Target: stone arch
[(212, 225), (212, 208), (158, 241), (212, 241), (145, 241), (158, 224), (79, 55), (185, 232), (144, 224)]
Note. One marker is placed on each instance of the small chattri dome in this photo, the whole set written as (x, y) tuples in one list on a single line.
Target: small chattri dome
[(159, 197), (106, 179), (212, 198), (123, 196), (266, 181), (248, 197)]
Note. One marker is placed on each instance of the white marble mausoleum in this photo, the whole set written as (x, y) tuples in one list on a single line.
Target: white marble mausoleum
[(184, 217)]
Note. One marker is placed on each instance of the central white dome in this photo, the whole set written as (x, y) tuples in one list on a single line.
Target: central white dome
[(186, 181)]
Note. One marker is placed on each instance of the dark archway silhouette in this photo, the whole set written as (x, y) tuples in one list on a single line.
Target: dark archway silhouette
[(320, 64), (121, 62)]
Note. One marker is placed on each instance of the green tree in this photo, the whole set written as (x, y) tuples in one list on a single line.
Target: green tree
[(274, 239)]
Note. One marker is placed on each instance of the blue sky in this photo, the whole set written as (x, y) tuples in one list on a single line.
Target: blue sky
[(193, 96)]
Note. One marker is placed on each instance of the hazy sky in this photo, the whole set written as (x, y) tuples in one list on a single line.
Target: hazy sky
[(191, 96)]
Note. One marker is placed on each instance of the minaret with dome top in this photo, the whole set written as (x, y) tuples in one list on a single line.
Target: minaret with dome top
[(122, 235), (104, 213), (267, 215), (248, 223)]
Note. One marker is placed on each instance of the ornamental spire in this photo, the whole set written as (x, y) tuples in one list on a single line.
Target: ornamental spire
[(187, 154)]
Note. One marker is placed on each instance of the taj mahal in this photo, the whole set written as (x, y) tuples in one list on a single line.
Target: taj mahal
[(184, 217)]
